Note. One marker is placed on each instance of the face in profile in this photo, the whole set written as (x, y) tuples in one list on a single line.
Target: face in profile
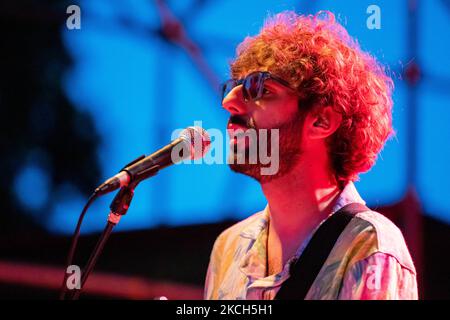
[(268, 128)]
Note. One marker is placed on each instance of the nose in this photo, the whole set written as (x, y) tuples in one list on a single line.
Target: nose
[(234, 101)]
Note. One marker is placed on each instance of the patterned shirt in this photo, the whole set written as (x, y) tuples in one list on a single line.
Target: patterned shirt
[(370, 260)]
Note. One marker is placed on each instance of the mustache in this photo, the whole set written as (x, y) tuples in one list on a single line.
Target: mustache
[(247, 122)]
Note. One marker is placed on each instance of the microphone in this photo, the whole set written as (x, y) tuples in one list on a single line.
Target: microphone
[(192, 142)]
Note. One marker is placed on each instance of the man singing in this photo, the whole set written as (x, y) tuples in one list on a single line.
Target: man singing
[(330, 104)]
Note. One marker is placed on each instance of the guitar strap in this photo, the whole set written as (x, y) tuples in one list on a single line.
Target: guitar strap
[(308, 265)]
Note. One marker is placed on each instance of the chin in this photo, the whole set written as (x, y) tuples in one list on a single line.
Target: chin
[(254, 171), (286, 165)]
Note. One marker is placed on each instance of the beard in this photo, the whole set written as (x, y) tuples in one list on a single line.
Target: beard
[(289, 145)]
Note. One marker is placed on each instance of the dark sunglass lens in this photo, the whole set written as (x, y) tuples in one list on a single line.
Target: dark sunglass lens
[(227, 87), (252, 86)]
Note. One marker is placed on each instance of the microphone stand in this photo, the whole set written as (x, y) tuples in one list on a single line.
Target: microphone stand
[(119, 207)]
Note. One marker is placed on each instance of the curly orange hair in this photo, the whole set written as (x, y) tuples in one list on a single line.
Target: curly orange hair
[(316, 56)]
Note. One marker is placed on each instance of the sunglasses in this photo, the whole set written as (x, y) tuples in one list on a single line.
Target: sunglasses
[(252, 85)]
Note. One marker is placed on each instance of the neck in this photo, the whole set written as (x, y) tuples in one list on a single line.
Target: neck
[(298, 201)]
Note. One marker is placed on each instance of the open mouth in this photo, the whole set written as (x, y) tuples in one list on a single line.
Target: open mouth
[(239, 136), (232, 127)]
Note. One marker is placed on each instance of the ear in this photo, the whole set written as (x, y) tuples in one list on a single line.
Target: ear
[(322, 122)]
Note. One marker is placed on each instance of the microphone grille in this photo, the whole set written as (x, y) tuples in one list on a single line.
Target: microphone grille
[(198, 140)]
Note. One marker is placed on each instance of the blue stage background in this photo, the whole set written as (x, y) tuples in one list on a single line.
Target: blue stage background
[(138, 87)]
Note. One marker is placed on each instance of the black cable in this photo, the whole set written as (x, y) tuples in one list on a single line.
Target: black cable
[(73, 246), (93, 258)]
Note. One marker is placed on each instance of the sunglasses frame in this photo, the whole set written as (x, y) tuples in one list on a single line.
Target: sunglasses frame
[(258, 91)]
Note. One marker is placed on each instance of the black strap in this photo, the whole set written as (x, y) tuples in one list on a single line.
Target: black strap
[(308, 265)]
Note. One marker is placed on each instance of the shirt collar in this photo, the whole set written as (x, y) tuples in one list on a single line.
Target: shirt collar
[(348, 195), (254, 229)]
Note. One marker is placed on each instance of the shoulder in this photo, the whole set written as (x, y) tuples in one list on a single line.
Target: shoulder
[(369, 242), (247, 229), (370, 232)]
